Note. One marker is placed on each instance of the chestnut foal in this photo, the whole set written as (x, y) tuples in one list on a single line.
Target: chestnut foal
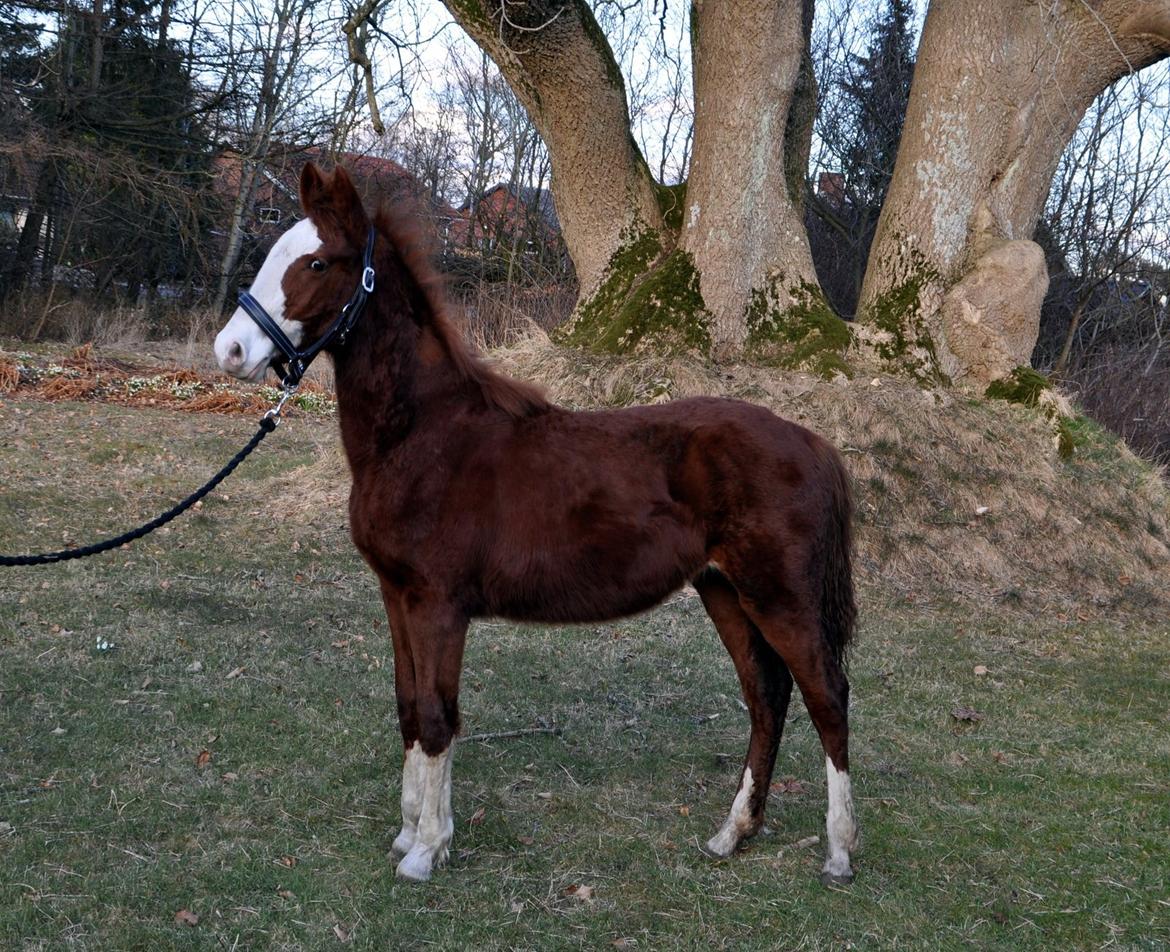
[(473, 496)]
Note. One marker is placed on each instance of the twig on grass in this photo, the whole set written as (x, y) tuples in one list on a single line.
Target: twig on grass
[(507, 735)]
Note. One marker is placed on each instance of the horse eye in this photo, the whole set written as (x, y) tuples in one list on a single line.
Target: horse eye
[(317, 264)]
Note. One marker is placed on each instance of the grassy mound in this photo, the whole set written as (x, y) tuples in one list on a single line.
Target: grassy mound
[(954, 495)]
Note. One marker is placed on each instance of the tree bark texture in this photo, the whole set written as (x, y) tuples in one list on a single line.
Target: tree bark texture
[(719, 264), (740, 225), (954, 282)]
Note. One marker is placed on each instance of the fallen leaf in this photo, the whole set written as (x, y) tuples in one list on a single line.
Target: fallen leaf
[(684, 811), (624, 943), (980, 669), (580, 893), (527, 840), (286, 894), (340, 932), (956, 759), (477, 817), (195, 667), (57, 731), (185, 917), (545, 796), (517, 907), (234, 673), (287, 861), (787, 785), (230, 776), (1124, 580), (806, 842), (963, 713), (203, 759)]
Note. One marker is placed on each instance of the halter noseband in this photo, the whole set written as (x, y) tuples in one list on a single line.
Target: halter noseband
[(299, 360)]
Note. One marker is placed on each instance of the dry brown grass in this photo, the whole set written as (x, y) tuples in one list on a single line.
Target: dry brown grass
[(84, 375), (956, 498)]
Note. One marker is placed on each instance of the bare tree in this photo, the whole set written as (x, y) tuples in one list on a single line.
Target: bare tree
[(274, 63)]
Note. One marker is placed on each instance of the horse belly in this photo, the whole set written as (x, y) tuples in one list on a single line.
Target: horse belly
[(595, 579)]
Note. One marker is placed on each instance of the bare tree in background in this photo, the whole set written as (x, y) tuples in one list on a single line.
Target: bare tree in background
[(274, 64)]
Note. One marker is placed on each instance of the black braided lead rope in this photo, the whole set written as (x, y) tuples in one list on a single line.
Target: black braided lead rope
[(267, 425)]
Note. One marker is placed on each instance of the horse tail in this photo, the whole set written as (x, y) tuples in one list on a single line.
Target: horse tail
[(838, 609)]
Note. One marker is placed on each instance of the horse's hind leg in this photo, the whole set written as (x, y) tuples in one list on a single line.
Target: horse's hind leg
[(767, 687), (817, 670)]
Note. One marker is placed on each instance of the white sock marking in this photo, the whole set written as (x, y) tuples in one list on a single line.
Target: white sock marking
[(840, 823), (436, 824), (738, 822), (412, 800)]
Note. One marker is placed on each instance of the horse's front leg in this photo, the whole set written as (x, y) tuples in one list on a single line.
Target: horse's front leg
[(408, 723), (435, 636)]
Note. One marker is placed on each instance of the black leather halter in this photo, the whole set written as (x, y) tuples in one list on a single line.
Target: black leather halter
[(299, 360)]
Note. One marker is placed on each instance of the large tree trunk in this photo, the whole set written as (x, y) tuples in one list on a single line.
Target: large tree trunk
[(742, 228), (719, 264), (954, 283)]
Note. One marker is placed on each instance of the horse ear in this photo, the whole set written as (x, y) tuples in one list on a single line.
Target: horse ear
[(347, 206), (313, 188), (333, 199)]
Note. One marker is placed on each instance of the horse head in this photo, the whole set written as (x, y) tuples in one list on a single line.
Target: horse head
[(306, 280)]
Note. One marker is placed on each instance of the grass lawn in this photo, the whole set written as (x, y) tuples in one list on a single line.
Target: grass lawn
[(235, 754)]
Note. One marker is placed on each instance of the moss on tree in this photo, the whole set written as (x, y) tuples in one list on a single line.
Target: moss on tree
[(644, 305), (904, 343), (1024, 385), (807, 335), (672, 199)]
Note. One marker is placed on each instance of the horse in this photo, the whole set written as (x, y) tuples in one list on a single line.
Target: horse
[(474, 496)]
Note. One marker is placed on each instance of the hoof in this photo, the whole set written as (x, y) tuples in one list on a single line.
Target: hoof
[(718, 847), (835, 879), (402, 844), (420, 862)]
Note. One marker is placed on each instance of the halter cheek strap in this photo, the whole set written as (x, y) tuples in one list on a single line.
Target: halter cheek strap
[(298, 360)]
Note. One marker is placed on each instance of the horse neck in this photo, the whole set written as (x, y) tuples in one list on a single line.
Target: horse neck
[(391, 368)]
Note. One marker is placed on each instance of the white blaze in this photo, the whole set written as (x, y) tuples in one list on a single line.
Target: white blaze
[(255, 348)]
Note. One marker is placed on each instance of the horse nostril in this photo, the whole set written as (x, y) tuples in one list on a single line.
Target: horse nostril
[(235, 354)]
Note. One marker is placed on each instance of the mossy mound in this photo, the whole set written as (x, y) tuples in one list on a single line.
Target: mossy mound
[(958, 497), (1030, 388), (807, 335)]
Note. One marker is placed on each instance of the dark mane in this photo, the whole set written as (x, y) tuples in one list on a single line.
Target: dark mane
[(402, 225)]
